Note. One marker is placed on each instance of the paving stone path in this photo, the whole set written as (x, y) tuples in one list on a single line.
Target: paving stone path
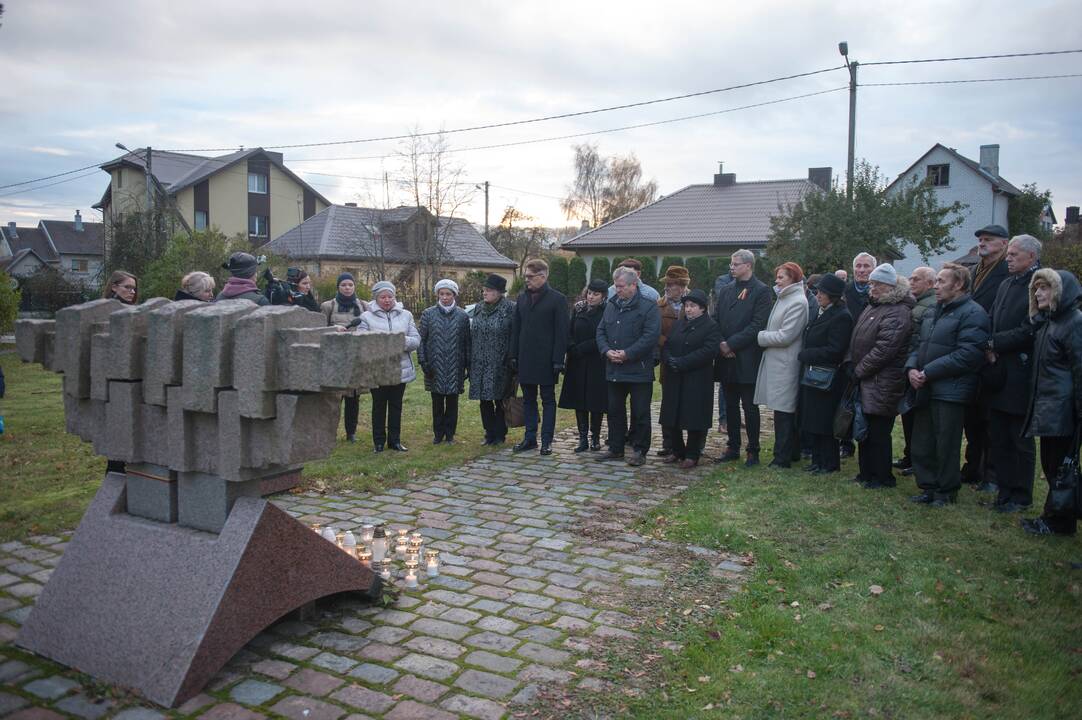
[(536, 554)]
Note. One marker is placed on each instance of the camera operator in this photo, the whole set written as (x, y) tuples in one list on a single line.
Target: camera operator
[(241, 284), (296, 290)]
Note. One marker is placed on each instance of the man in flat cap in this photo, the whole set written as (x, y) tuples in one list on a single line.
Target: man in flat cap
[(241, 284)]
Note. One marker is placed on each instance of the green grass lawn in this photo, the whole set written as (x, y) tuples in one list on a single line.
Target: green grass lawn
[(975, 619), (48, 477)]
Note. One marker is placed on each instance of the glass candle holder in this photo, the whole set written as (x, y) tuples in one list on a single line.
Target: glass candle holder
[(367, 532), (318, 529), (385, 570), (432, 563), (379, 544), (349, 543), (330, 534), (411, 574), (365, 556)]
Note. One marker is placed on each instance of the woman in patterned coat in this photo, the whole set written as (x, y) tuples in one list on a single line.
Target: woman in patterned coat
[(444, 357), (490, 341)]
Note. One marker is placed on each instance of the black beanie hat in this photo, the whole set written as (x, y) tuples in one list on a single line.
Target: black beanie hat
[(344, 276), (598, 285)]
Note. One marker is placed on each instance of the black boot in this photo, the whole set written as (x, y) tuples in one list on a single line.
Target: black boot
[(584, 442), (595, 442)]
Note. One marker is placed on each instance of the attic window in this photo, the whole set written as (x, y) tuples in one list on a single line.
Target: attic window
[(257, 183), (939, 175)]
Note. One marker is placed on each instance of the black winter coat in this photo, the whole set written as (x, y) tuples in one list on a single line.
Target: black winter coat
[(826, 341), (985, 295), (635, 329), (539, 336), (953, 338), (855, 301), (584, 384), (741, 312), (1055, 407), (444, 354), (687, 391), (879, 348), (1007, 381)]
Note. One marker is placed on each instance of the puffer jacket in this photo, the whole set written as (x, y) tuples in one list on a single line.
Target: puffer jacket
[(635, 329), (444, 353), (329, 308), (396, 320), (953, 338), (1055, 407), (879, 348)]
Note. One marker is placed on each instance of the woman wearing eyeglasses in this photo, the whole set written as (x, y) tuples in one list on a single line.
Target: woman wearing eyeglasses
[(121, 286)]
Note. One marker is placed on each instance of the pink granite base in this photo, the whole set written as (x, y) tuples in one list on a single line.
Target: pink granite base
[(159, 608)]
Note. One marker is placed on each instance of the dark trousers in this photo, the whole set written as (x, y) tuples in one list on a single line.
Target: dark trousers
[(548, 412), (721, 405), (351, 408), (387, 413), (690, 449), (1053, 451), (907, 432), (786, 438), (641, 393), (825, 452), (737, 394), (493, 420), (1012, 456), (937, 440), (875, 451), (444, 416), (589, 422), (977, 469)]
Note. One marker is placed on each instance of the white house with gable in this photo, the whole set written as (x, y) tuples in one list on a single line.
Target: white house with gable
[(957, 178)]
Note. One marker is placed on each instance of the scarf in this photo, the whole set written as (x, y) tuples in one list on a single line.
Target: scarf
[(235, 286), (347, 304), (489, 308), (984, 269), (861, 288), (445, 309)]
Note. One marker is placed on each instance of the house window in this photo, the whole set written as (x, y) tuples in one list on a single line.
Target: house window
[(79, 266), (200, 220), (257, 183), (119, 179), (257, 225), (939, 175)]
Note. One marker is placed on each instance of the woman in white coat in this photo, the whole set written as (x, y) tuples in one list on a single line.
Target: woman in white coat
[(778, 383), (386, 314)]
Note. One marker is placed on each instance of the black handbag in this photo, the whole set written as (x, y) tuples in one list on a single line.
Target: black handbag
[(844, 414), (818, 377), (1063, 500)]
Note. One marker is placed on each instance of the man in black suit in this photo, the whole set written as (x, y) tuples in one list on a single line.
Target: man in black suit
[(742, 310), (538, 347), (986, 276)]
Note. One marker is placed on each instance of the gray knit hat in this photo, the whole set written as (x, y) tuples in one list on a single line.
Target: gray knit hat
[(447, 284), (885, 274), (381, 286)]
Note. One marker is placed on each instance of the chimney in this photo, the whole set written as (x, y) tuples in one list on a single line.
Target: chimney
[(1072, 215), (13, 233), (990, 158), (821, 176), (78, 221), (584, 226), (351, 204), (724, 179)]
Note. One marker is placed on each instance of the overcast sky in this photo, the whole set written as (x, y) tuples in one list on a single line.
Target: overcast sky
[(77, 77)]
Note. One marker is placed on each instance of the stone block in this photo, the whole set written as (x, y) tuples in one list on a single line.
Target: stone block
[(74, 327), (232, 451), (99, 366), (84, 418), (204, 501), (255, 360), (208, 361), (277, 443), (152, 444), (361, 360), (50, 355), (121, 435), (128, 330), (193, 436), (298, 358), (165, 348), (151, 492), (30, 339)]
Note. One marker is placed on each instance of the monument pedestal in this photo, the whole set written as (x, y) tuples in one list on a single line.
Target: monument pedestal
[(160, 608)]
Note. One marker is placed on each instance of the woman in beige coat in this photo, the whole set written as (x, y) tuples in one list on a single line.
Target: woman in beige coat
[(778, 382)]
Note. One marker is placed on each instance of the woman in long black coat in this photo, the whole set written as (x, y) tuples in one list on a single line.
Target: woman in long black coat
[(687, 398), (584, 389), (826, 341)]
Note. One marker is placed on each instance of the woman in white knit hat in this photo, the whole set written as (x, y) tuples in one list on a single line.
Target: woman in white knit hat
[(444, 357)]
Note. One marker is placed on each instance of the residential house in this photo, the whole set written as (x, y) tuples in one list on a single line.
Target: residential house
[(357, 240), (707, 220), (248, 192), (74, 248), (957, 178)]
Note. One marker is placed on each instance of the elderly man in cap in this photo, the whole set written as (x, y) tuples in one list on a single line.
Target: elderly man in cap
[(241, 284), (676, 281), (987, 276)]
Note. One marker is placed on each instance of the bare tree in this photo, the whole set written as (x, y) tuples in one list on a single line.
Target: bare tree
[(625, 190), (518, 243), (605, 188), (434, 181)]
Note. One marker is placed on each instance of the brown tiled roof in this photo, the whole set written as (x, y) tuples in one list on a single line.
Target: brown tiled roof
[(736, 215)]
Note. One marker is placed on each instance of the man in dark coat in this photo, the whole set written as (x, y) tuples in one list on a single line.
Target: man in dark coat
[(538, 347), (720, 283), (742, 310), (1007, 384), (944, 371), (627, 336), (987, 276), (856, 291), (922, 286)]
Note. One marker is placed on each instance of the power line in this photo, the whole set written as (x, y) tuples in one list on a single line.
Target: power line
[(511, 123), (49, 177), (971, 57), (42, 187), (978, 80)]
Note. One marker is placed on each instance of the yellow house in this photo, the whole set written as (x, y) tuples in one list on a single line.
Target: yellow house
[(249, 192)]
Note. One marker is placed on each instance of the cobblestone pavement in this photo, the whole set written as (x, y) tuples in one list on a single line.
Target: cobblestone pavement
[(536, 554)]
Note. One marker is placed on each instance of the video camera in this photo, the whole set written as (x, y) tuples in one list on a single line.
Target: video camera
[(281, 292)]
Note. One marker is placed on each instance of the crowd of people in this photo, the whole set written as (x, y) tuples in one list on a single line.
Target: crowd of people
[(993, 353)]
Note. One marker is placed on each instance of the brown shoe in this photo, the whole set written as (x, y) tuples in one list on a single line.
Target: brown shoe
[(688, 464), (637, 458), (669, 459)]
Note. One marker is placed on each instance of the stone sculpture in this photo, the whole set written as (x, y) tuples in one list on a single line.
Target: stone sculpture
[(180, 561)]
